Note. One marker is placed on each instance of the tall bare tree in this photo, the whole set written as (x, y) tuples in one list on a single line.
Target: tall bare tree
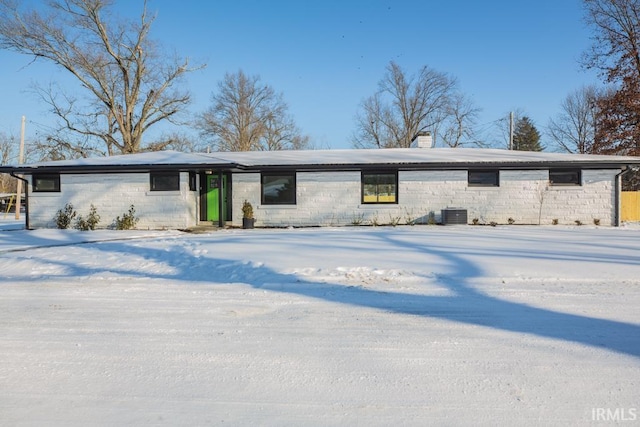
[(573, 130), (403, 106), (457, 129), (247, 115), (615, 53), (128, 85)]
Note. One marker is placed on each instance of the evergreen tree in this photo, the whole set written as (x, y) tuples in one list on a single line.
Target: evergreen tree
[(525, 136)]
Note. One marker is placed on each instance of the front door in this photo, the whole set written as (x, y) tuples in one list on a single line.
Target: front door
[(213, 193)]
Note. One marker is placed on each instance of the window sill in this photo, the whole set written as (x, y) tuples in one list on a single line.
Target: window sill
[(268, 207), (163, 193), (378, 206)]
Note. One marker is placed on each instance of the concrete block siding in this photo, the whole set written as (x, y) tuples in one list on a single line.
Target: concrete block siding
[(333, 198), (112, 195)]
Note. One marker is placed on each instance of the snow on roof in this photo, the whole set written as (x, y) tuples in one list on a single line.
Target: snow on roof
[(336, 158), (409, 156)]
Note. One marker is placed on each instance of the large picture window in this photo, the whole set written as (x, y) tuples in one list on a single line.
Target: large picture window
[(165, 181), (486, 178), (279, 188), (565, 177), (46, 183), (379, 187)]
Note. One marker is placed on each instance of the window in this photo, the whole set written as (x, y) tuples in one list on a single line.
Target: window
[(165, 181), (484, 178), (46, 183), (565, 177), (380, 187), (279, 188)]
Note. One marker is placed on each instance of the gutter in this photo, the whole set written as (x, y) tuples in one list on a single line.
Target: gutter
[(26, 198), (618, 190)]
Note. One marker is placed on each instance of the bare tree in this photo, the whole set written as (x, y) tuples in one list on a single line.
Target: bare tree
[(128, 84), (247, 115), (403, 106), (573, 130), (7, 155), (457, 129)]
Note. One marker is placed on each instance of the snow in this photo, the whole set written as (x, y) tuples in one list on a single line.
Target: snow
[(424, 325), (344, 157)]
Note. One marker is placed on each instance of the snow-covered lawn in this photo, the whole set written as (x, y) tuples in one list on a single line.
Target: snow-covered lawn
[(422, 325)]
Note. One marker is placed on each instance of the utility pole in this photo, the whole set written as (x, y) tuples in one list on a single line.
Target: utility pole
[(511, 130), (20, 161)]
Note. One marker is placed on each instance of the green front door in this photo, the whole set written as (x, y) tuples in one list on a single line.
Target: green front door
[(213, 197), (214, 192)]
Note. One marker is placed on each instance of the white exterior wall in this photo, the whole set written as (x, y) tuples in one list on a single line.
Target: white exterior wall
[(333, 198), (112, 195)]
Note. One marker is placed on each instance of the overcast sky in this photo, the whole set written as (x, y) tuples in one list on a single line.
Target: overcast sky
[(327, 56)]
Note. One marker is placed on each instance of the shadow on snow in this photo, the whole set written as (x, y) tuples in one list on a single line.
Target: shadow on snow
[(465, 304)]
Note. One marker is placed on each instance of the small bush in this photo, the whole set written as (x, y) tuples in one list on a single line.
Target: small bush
[(357, 219), (554, 221), (65, 216), (596, 221), (247, 210), (511, 221), (90, 222), (374, 220), (493, 223), (128, 220), (409, 218), (578, 222), (431, 218), (394, 220), (475, 221)]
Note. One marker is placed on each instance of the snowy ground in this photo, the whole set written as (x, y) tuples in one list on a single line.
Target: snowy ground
[(422, 325)]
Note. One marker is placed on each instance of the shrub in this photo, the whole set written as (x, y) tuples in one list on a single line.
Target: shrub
[(357, 219), (394, 220), (431, 218), (511, 221), (247, 210), (578, 222), (475, 221), (128, 220), (554, 221), (596, 221), (493, 223), (374, 220), (65, 216), (409, 218), (90, 222)]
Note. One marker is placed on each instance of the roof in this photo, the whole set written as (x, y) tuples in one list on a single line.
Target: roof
[(401, 158)]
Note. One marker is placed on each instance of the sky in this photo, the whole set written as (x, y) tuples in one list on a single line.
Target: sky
[(327, 57)]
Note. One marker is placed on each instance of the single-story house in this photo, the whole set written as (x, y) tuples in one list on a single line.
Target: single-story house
[(175, 190)]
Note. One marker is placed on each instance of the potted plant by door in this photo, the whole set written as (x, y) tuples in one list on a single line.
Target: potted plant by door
[(247, 215)]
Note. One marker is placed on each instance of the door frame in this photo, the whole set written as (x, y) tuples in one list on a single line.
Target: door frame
[(224, 198)]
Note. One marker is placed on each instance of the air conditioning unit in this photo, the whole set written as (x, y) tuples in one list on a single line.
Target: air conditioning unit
[(451, 216)]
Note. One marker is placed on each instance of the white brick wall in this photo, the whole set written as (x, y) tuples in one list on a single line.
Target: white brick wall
[(112, 195), (333, 198)]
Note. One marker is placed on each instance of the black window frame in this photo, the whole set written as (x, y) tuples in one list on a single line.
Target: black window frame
[(565, 182), (495, 182), (51, 177), (367, 174), (287, 198), (164, 181)]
